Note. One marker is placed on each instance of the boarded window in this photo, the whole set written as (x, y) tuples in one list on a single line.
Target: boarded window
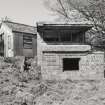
[(70, 64), (27, 42)]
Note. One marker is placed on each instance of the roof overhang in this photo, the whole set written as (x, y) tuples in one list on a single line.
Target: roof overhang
[(70, 27)]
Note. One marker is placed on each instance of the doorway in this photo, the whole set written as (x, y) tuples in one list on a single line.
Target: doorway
[(2, 45)]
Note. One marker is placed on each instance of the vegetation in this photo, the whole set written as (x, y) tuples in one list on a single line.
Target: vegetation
[(82, 10), (26, 87)]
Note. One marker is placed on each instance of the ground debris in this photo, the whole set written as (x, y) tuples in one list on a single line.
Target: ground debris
[(19, 87)]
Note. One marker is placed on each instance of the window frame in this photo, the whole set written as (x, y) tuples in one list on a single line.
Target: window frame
[(60, 35)]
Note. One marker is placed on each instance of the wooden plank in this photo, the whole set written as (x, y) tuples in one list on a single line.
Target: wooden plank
[(16, 44), (21, 45), (34, 45)]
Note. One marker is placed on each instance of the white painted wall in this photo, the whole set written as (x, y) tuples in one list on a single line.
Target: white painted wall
[(8, 40)]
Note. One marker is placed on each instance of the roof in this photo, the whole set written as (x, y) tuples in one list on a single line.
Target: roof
[(18, 27), (63, 26), (64, 22)]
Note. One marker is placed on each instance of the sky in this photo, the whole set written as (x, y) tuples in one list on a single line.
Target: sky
[(25, 11)]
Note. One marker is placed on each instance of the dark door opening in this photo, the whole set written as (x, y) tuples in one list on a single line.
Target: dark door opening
[(70, 64), (1, 45)]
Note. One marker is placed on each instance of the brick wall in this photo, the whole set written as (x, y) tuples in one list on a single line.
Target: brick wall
[(91, 64)]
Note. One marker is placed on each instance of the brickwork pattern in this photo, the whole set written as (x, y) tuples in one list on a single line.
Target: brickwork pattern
[(91, 64)]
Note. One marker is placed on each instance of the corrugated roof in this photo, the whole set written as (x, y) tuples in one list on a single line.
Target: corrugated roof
[(21, 27)]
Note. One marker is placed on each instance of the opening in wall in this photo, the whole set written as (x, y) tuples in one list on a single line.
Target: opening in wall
[(70, 64)]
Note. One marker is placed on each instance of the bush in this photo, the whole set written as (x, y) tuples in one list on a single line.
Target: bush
[(9, 60), (13, 78)]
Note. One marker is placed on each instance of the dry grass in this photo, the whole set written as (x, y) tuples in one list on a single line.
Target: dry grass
[(19, 87)]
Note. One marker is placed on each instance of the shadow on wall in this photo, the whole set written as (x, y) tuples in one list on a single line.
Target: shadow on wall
[(1, 48)]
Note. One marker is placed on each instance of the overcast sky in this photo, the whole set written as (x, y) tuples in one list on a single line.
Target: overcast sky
[(25, 11)]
